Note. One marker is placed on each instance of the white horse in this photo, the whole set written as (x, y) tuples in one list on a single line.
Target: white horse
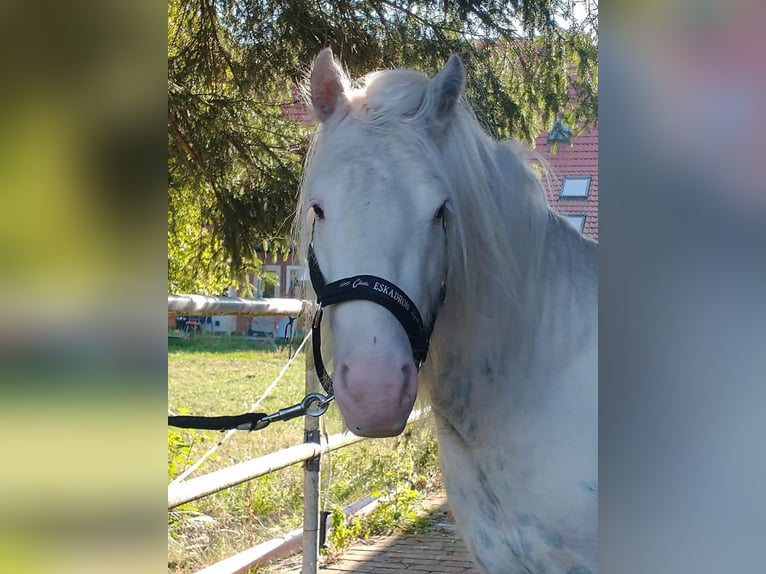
[(404, 185)]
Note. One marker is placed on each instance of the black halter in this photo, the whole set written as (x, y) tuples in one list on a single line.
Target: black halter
[(368, 288)]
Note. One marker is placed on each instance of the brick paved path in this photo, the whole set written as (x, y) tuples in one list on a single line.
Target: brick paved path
[(437, 550)]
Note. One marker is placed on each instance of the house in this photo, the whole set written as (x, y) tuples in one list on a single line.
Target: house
[(571, 181)]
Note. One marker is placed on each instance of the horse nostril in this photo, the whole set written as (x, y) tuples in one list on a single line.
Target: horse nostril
[(406, 383), (343, 375)]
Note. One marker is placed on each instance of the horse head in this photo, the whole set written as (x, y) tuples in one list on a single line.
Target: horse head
[(375, 208)]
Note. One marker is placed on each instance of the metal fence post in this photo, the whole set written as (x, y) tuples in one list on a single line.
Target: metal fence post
[(311, 479)]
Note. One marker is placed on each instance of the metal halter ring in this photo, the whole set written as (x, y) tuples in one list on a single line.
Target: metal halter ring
[(316, 404)]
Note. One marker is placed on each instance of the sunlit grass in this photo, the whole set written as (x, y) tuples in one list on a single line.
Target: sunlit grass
[(219, 376)]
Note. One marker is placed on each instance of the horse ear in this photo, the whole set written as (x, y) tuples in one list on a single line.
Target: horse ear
[(326, 85), (447, 87)]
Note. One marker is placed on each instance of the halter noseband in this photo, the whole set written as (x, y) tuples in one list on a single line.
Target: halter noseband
[(367, 288)]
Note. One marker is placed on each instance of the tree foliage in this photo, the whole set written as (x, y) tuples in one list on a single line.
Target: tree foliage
[(235, 158)]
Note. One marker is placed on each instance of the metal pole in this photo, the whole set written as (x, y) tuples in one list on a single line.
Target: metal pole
[(311, 479)]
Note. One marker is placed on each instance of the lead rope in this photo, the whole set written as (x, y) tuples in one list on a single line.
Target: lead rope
[(313, 404)]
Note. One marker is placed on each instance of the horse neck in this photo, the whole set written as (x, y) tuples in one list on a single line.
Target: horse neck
[(514, 321), (558, 294)]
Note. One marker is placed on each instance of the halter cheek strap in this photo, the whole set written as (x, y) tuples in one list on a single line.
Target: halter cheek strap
[(367, 288)]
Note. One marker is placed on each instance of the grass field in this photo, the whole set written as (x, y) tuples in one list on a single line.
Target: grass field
[(223, 375)]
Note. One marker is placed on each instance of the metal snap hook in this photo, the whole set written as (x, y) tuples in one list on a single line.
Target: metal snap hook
[(316, 404)]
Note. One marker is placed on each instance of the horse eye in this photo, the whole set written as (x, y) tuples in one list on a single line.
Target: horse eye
[(318, 212), (439, 215)]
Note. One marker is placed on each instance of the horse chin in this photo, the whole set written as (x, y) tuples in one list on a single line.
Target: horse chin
[(378, 433), (377, 422), (374, 431)]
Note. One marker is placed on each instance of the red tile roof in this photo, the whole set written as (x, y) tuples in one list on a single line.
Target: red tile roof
[(578, 159)]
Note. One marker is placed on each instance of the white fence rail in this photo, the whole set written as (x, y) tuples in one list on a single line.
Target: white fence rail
[(203, 305), (309, 451), (196, 488)]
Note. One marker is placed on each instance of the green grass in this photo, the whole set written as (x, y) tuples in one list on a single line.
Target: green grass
[(225, 375)]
